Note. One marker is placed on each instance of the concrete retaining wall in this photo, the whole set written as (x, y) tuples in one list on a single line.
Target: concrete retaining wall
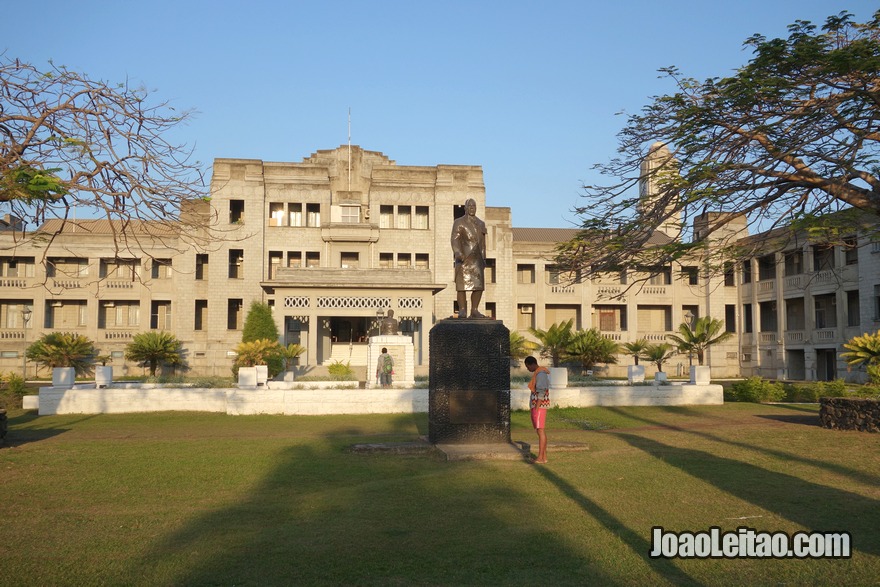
[(113, 400)]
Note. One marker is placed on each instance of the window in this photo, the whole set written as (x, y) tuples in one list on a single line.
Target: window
[(826, 310), (767, 267), (729, 318), (127, 314), (794, 263), (823, 257), (202, 266), (120, 269), (795, 317), (876, 302), (729, 275), (295, 214), (160, 315), (422, 261), (236, 211), (525, 316), (348, 260), (850, 251), (420, 221), (236, 262), (654, 318), (65, 314), (404, 261), (747, 271), (490, 271), (313, 259), (200, 319), (660, 276), (277, 214), (386, 216), (11, 315), (313, 214), (853, 317), (404, 217), (294, 259), (609, 318), (161, 269), (691, 275), (525, 273), (276, 258), (769, 322), (552, 274), (748, 321), (17, 266), (386, 260), (233, 314), (350, 214)]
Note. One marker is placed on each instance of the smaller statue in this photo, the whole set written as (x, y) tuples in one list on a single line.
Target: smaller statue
[(388, 325)]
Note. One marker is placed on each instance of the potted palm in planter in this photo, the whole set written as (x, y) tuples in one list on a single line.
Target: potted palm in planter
[(553, 344), (252, 360), (705, 332), (154, 349), (635, 373), (290, 353), (67, 354), (103, 373), (659, 354)]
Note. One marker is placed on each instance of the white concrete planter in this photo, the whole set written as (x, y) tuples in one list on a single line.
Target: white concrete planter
[(635, 374), (700, 375), (289, 376), (558, 377), (660, 377), (262, 374), (103, 376), (247, 377), (63, 376)]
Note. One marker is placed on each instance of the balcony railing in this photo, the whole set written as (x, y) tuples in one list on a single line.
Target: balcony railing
[(655, 290), (566, 289), (793, 281), (613, 335), (766, 285), (13, 282), (794, 337), (654, 336), (118, 335), (768, 337), (67, 283), (119, 284), (12, 334), (826, 334), (827, 276)]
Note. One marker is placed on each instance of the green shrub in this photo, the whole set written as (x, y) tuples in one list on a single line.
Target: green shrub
[(755, 389), (13, 383), (836, 388), (340, 371), (801, 393)]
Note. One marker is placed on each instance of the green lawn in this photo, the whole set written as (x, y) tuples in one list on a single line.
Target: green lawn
[(210, 499)]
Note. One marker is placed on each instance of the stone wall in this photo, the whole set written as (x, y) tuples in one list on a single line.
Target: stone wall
[(850, 414)]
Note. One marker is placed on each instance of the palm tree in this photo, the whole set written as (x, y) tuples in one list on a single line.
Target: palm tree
[(554, 341), (705, 332), (659, 354), (589, 347), (258, 352), (863, 349), (636, 349), (291, 352), (520, 346), (155, 348), (63, 349)]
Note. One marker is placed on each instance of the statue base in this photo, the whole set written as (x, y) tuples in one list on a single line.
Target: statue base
[(469, 395)]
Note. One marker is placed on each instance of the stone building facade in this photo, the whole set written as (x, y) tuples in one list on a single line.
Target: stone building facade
[(336, 240)]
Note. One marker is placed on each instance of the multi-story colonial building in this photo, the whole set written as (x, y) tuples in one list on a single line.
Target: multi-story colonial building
[(346, 234)]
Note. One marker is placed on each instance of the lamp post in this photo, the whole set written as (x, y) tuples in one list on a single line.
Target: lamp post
[(25, 318)]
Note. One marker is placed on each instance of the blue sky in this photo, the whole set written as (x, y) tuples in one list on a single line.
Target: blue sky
[(528, 90)]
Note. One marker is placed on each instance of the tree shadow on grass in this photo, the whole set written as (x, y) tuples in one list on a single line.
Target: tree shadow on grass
[(323, 516), (26, 428), (802, 419), (854, 474), (813, 506)]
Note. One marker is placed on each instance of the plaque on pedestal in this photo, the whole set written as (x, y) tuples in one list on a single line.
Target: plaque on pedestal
[(469, 396)]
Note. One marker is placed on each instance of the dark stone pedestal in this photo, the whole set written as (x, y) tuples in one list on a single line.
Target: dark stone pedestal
[(469, 398)]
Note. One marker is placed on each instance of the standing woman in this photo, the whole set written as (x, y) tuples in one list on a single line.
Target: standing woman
[(538, 403)]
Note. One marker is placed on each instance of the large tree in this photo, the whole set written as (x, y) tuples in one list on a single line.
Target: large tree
[(75, 146), (788, 137)]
